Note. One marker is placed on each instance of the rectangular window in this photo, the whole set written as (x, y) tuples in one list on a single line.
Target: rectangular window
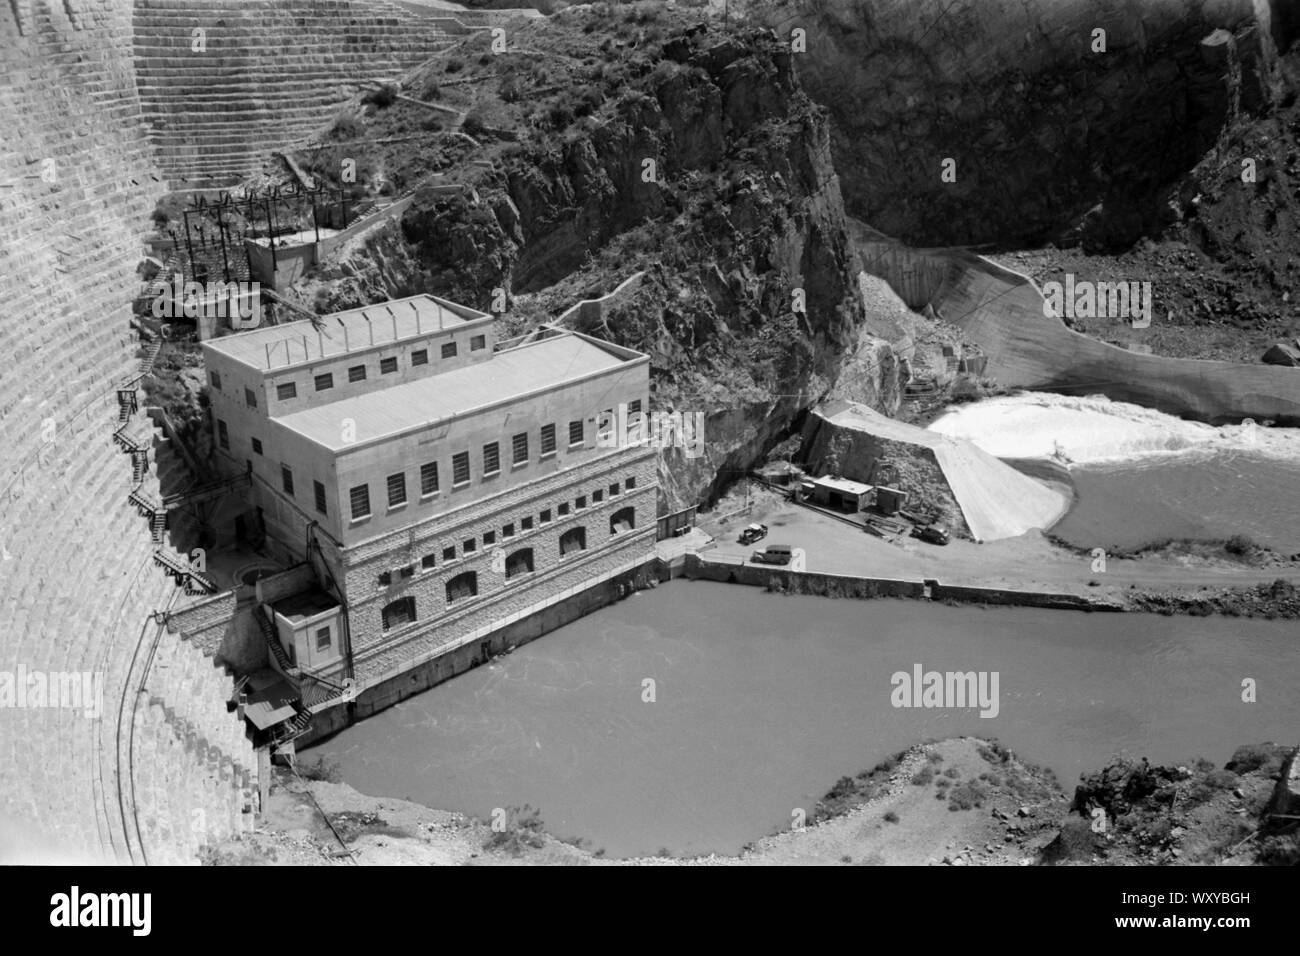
[(491, 458), (613, 490), (286, 390), (360, 496), (257, 446), (468, 546), (629, 484), (357, 373), (324, 381), (428, 478), (548, 440), (477, 343), (489, 537), (323, 639), (420, 357), (385, 578), (579, 502), (407, 571), (526, 523), (634, 406), (449, 554), (545, 516), (397, 489), (250, 399), (216, 380), (575, 433), (563, 508), (223, 435), (428, 561), (460, 468), (597, 496), (286, 480), (319, 490), (448, 349), (388, 365), (519, 448), (508, 531)]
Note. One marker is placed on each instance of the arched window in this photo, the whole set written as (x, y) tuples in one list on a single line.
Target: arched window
[(624, 519), (399, 612), (575, 539), (462, 586), (519, 562)]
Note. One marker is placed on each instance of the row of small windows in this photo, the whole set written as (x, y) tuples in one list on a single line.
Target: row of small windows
[(460, 469), (359, 495), (575, 539), (401, 611), (285, 391)]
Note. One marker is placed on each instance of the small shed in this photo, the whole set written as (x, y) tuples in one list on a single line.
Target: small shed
[(890, 501), (840, 494)]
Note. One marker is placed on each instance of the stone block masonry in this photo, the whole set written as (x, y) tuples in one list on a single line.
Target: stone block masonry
[(438, 623), (77, 583), (268, 75)]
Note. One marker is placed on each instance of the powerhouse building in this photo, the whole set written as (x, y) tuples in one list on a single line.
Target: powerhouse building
[(438, 483)]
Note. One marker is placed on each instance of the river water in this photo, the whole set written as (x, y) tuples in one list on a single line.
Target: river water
[(761, 702), (1142, 476)]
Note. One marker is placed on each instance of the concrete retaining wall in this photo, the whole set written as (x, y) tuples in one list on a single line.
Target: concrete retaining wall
[(802, 582)]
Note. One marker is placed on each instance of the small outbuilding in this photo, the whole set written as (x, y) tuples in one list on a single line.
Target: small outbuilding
[(840, 494)]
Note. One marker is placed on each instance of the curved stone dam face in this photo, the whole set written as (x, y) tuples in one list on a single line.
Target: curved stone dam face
[(1005, 314)]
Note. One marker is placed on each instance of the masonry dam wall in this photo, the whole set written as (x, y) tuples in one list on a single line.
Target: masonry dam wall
[(268, 74), (159, 766), (1001, 311)]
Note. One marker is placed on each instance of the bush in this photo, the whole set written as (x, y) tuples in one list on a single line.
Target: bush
[(1240, 544), (923, 776), (891, 817), (454, 65), (386, 95), (346, 127), (473, 123), (322, 768), (523, 829)]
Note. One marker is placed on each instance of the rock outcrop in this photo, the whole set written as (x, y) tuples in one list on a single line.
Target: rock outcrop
[(1049, 132), (749, 304)]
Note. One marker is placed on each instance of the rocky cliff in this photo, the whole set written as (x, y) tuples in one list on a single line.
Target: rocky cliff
[(1056, 130), (706, 166)]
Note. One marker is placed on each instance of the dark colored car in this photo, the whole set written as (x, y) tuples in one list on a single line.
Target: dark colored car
[(932, 533), (755, 532)]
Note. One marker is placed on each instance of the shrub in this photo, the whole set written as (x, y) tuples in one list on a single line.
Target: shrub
[(891, 817), (454, 65), (923, 776), (1240, 544), (523, 828), (386, 95), (473, 123), (322, 768), (345, 127)]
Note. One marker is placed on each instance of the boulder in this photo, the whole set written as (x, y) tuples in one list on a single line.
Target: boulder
[(1282, 354)]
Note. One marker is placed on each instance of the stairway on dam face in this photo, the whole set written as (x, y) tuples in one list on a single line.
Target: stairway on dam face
[(77, 582), (271, 74)]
